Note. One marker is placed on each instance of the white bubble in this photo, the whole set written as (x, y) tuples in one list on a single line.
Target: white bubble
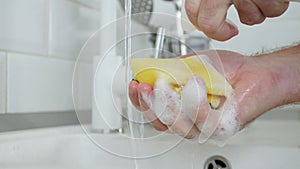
[(193, 94), (172, 107), (165, 102), (229, 124)]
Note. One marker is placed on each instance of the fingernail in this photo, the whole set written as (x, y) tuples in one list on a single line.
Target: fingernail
[(135, 80)]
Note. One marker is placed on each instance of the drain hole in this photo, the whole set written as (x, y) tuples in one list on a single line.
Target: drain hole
[(217, 162), (220, 163), (210, 166)]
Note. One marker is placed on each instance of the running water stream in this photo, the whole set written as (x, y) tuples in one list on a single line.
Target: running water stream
[(135, 136)]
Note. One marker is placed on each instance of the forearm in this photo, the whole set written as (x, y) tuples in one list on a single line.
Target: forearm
[(284, 66), (268, 81)]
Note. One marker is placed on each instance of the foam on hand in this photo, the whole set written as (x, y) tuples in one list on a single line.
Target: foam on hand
[(166, 103), (178, 110), (183, 90), (193, 94), (224, 126)]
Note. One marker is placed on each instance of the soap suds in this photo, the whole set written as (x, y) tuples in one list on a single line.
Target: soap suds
[(171, 100), (228, 124), (178, 111), (220, 124), (193, 94)]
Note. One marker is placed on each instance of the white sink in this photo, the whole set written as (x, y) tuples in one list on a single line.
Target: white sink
[(264, 144)]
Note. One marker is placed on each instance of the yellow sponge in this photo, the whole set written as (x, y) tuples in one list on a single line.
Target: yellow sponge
[(177, 72)]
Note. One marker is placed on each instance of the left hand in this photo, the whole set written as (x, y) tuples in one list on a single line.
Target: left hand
[(209, 16)]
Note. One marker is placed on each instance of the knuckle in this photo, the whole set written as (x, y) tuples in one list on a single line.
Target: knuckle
[(192, 8), (273, 8), (252, 19), (274, 13), (207, 26)]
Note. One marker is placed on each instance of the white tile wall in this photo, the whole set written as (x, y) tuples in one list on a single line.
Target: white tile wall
[(267, 36), (3, 62), (82, 92), (293, 11), (38, 84), (24, 25), (91, 3), (271, 34), (40, 40), (70, 26)]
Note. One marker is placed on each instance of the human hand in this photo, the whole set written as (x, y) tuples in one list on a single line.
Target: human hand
[(209, 16), (253, 94)]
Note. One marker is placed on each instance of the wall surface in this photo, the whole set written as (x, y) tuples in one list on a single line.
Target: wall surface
[(39, 43)]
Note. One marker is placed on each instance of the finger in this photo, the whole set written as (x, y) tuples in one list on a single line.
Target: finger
[(192, 8), (133, 93), (249, 12), (212, 20), (158, 125), (145, 91), (272, 8), (166, 104), (210, 125), (197, 105), (223, 123), (134, 96), (200, 115), (194, 100), (184, 127)]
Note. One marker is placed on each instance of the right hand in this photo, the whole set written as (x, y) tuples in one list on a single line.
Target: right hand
[(253, 94)]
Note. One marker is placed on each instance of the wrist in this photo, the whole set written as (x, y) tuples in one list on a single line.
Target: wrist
[(267, 81), (284, 69)]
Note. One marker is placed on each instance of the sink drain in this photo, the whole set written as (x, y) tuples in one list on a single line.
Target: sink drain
[(217, 162)]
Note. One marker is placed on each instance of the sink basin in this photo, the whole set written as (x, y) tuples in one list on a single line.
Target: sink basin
[(263, 144)]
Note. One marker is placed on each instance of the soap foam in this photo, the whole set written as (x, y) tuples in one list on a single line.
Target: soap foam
[(165, 102), (228, 124), (193, 94), (221, 124), (171, 107)]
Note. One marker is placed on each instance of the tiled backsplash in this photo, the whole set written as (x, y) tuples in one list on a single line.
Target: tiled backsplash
[(70, 25), (38, 83), (24, 26), (39, 43)]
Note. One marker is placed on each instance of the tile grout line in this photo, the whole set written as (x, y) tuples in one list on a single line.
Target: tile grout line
[(38, 55), (5, 82), (82, 4), (46, 112), (50, 32), (3, 85), (2, 80)]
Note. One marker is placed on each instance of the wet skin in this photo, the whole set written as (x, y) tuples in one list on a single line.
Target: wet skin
[(259, 84)]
